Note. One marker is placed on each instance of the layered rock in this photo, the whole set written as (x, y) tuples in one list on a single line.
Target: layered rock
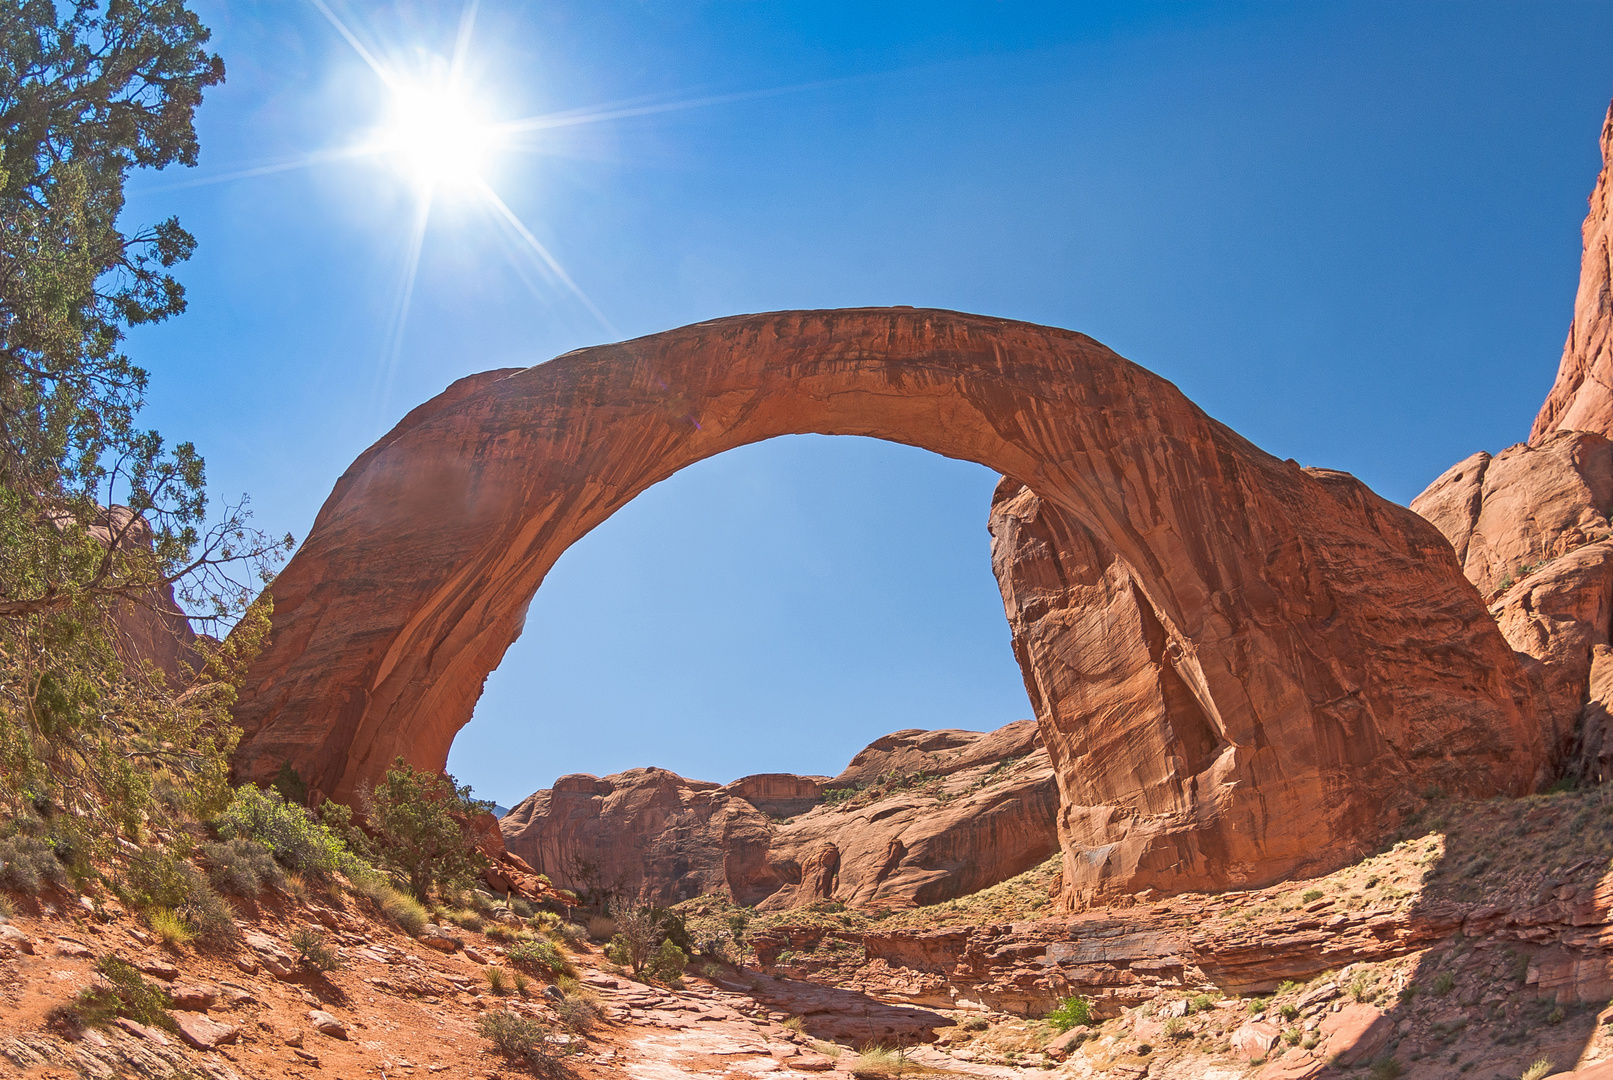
[(1582, 397), (958, 811), (1291, 654)]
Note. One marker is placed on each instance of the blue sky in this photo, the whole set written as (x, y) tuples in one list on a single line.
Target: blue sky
[(1349, 231)]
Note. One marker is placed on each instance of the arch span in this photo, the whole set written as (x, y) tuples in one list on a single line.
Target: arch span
[(1240, 667)]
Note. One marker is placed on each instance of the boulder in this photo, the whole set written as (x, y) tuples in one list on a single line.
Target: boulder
[(326, 1024), (1255, 1040), (202, 1033), (194, 998), (1356, 1033)]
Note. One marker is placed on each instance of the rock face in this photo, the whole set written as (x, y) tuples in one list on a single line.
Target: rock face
[(1240, 667), (1582, 398), (969, 810)]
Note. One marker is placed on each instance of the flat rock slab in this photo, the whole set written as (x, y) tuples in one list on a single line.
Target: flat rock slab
[(198, 1031)]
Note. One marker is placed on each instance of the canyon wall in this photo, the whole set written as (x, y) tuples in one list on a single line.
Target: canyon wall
[(923, 816)]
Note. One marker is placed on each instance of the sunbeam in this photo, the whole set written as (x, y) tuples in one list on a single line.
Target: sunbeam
[(400, 308), (515, 223), (302, 161)]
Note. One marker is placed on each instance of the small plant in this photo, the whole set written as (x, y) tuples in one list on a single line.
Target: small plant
[(1556, 1016), (601, 927), (577, 1012), (1288, 1012), (403, 910), (1541, 1068), (878, 1061), (1310, 896), (1287, 987), (1310, 1040), (1072, 1012), (1385, 1069), (1360, 989), (523, 1040), (1175, 1027), (667, 963), (1258, 1004), (313, 951), (1200, 1003), (28, 864), (128, 994), (169, 927), (497, 981), (536, 957), (976, 1023), (521, 983), (795, 1024), (240, 866), (1444, 983)]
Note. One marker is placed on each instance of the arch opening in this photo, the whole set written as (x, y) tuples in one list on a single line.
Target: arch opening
[(1241, 668)]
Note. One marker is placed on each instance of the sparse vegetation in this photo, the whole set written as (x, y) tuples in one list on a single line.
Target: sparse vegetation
[(28, 864), (536, 957), (405, 911), (1542, 1067), (524, 1040), (1072, 1012), (313, 951), (240, 866)]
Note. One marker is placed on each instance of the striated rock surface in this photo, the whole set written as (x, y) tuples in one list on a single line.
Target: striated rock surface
[(959, 810), (1582, 397), (1241, 667)]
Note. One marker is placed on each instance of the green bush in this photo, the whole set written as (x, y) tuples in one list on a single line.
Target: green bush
[(523, 1040), (1072, 1012), (577, 1012), (1311, 895), (313, 951), (28, 864), (126, 994), (290, 832), (423, 831), (404, 910), (667, 963), (536, 957), (157, 878), (240, 866)]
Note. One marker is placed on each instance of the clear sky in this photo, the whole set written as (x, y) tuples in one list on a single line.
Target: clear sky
[(1349, 231)]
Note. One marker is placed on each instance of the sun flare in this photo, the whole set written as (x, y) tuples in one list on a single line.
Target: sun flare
[(439, 137)]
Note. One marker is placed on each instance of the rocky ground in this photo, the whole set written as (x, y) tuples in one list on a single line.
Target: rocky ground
[(1475, 946)]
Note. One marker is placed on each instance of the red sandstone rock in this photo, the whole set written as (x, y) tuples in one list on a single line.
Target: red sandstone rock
[(1356, 1033), (1255, 1040), (767, 841), (1582, 398), (1250, 667), (202, 1033)]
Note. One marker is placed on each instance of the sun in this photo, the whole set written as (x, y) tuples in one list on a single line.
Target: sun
[(438, 137)]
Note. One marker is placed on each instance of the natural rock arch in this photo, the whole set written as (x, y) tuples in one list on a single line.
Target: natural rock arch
[(1241, 667)]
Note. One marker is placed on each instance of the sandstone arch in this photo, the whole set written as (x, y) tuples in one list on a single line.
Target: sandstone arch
[(1241, 667)]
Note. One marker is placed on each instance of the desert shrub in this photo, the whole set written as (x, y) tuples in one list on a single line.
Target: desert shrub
[(601, 927), (878, 1061), (1200, 1003), (497, 980), (166, 885), (313, 950), (577, 1012), (667, 962), (523, 1040), (465, 919), (976, 1023), (1072, 1012), (1360, 988), (290, 832), (130, 994), (401, 908), (169, 927), (574, 935), (240, 866), (536, 957), (1541, 1068), (521, 982), (1287, 986), (1311, 895), (521, 909), (1175, 1027), (1444, 983), (1288, 1012), (635, 940), (500, 932), (422, 826), (544, 921), (28, 864), (1385, 1069)]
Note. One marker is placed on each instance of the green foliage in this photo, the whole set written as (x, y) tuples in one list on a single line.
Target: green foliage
[(1288, 1012), (290, 784), (636, 938), (422, 827), (1385, 1069), (162, 879), (1310, 896), (1444, 983), (1072, 1012), (313, 951), (403, 909), (28, 864), (497, 980), (1542, 1067), (524, 1040), (667, 962), (240, 866), (290, 832), (131, 995), (98, 517), (537, 957)]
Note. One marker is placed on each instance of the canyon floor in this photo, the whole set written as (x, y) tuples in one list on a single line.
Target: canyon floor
[(1475, 946)]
